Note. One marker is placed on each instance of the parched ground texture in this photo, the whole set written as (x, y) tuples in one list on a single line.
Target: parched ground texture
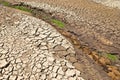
[(110, 3), (96, 25), (27, 48), (31, 49)]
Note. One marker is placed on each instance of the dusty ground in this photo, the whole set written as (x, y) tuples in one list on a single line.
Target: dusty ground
[(110, 3), (99, 31), (27, 49), (31, 49), (95, 24)]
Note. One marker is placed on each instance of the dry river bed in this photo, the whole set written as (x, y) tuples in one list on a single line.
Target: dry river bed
[(31, 49), (27, 49), (95, 24), (88, 61)]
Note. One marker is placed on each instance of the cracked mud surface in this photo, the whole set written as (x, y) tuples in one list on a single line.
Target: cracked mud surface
[(94, 24), (41, 42), (27, 48), (31, 49)]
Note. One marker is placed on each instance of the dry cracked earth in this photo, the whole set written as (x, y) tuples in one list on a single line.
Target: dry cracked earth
[(95, 24), (29, 46)]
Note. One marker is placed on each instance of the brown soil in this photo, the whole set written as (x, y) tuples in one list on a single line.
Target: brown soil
[(99, 25), (88, 67), (92, 36)]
